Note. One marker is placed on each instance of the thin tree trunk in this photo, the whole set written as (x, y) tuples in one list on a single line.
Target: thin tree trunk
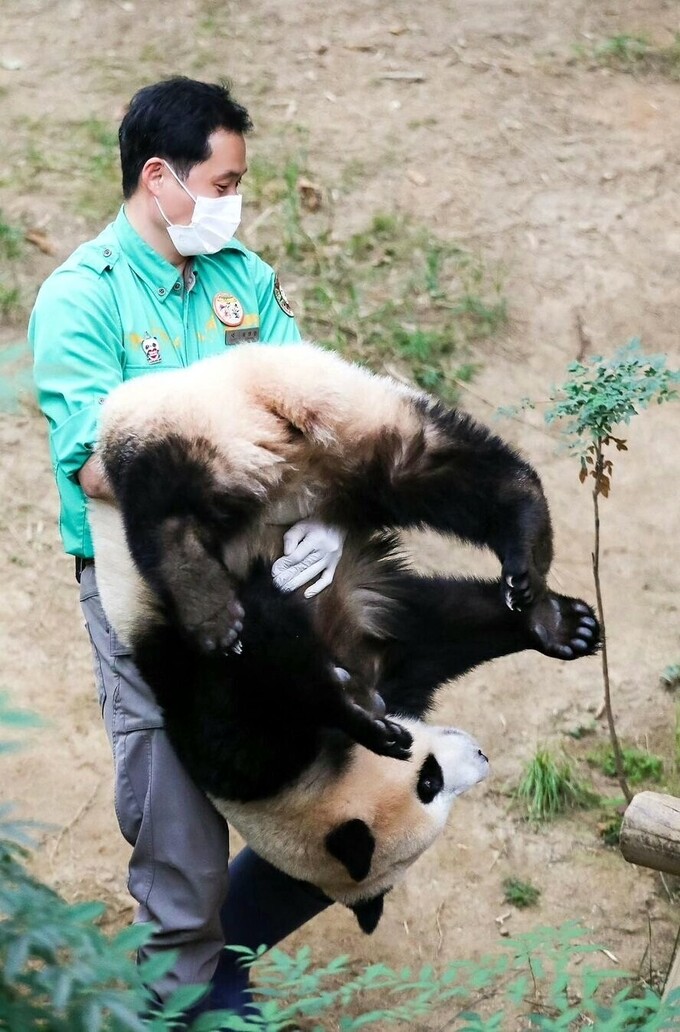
[(618, 756)]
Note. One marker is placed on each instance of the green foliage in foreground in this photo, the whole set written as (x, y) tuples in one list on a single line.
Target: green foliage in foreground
[(532, 983), (58, 971)]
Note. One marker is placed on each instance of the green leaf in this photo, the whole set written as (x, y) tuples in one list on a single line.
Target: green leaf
[(16, 958), (183, 998)]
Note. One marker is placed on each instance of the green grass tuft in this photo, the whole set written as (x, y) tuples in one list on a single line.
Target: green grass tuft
[(638, 765), (549, 787), (637, 55), (520, 894), (610, 829), (11, 240)]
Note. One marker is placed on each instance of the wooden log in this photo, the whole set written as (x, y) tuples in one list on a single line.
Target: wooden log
[(650, 832)]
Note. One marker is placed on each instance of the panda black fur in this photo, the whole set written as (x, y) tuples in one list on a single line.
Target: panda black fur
[(209, 466)]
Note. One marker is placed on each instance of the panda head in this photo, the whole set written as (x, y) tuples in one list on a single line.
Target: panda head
[(353, 832), (402, 807)]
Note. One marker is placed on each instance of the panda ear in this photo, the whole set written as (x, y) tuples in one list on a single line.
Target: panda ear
[(352, 843), (368, 913)]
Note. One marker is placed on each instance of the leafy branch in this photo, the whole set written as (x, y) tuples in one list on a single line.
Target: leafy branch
[(598, 397)]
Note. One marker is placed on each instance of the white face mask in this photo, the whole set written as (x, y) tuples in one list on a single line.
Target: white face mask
[(213, 223)]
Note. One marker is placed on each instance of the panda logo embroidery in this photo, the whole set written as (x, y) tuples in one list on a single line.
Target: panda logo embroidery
[(152, 350)]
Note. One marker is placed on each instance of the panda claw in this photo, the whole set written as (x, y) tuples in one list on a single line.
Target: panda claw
[(393, 740), (399, 753)]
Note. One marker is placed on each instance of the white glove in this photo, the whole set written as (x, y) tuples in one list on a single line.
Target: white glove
[(311, 549)]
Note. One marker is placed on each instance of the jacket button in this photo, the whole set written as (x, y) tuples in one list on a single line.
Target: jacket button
[(161, 291)]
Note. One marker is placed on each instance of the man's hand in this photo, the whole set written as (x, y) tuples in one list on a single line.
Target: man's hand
[(311, 550)]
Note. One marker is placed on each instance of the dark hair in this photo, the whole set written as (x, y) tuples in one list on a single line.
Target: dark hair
[(173, 120)]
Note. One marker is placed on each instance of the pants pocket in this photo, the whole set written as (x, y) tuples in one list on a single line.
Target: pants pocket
[(132, 762), (99, 680)]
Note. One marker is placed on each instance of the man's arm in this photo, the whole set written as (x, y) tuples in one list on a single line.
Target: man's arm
[(77, 344)]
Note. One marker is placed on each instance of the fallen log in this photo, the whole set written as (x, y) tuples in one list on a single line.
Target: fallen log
[(650, 832), (650, 836)]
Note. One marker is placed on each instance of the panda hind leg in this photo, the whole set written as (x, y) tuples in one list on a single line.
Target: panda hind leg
[(442, 627)]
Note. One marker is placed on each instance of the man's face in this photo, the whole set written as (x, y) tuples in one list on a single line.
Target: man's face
[(219, 176)]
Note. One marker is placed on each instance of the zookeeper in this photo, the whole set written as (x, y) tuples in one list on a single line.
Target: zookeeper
[(165, 285)]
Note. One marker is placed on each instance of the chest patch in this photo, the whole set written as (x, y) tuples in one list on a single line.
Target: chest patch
[(228, 309), (152, 350)]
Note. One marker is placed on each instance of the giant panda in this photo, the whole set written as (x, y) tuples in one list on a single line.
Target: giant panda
[(302, 719)]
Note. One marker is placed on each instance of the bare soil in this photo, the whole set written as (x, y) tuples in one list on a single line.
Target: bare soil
[(561, 172)]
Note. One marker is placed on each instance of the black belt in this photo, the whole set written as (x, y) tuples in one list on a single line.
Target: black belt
[(81, 564)]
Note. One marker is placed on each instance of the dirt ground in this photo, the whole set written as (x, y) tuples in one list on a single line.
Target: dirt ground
[(563, 173)]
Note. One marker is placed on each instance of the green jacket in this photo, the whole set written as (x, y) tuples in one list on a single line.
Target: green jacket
[(116, 309)]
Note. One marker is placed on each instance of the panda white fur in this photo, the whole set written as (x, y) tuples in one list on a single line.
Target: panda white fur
[(209, 466)]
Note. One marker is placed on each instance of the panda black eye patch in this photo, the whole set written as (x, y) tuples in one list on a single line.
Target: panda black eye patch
[(430, 780)]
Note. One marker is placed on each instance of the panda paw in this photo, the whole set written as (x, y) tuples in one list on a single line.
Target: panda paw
[(390, 739), (218, 631), (399, 741), (562, 627)]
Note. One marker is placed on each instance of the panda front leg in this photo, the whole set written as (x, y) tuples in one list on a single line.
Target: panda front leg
[(373, 730)]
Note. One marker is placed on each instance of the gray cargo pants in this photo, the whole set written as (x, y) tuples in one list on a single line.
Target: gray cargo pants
[(178, 870)]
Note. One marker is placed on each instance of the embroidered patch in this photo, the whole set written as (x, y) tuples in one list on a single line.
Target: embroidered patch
[(281, 299), (228, 309), (152, 350)]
